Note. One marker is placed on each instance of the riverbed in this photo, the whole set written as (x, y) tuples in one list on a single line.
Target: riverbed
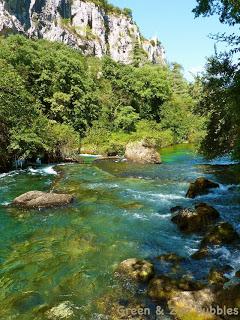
[(121, 210)]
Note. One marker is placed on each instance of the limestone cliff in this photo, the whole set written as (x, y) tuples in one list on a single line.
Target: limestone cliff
[(82, 24)]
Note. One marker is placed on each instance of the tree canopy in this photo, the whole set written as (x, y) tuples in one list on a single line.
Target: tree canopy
[(51, 96), (221, 83)]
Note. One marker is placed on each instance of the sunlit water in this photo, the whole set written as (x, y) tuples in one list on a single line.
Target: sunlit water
[(120, 211)]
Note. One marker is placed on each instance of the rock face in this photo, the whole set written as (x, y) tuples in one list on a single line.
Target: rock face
[(38, 199), (189, 220), (200, 186), (142, 152), (139, 270), (93, 29)]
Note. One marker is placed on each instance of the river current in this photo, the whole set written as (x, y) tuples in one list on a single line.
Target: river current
[(120, 211)]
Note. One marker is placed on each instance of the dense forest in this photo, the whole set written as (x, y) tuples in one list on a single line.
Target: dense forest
[(221, 83), (54, 100)]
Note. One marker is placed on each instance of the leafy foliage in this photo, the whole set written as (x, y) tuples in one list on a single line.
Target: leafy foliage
[(221, 85), (51, 96)]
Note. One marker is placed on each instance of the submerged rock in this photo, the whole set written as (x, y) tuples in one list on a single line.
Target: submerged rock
[(39, 199), (176, 209), (63, 311), (139, 270), (189, 220), (142, 152), (113, 308), (164, 288), (216, 277), (189, 305), (170, 257), (223, 233), (200, 186), (200, 254), (237, 274), (229, 298)]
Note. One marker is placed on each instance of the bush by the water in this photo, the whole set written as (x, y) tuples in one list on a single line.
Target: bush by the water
[(51, 97)]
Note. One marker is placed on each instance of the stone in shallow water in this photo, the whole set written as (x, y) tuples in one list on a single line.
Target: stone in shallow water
[(63, 311), (200, 187), (139, 270), (39, 199), (164, 288), (171, 258), (142, 152), (176, 209), (237, 274), (200, 254), (223, 233), (194, 220), (189, 305), (216, 277)]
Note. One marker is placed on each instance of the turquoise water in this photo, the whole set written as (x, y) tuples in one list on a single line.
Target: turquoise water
[(120, 211)]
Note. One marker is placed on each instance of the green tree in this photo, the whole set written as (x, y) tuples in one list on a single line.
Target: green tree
[(221, 85), (126, 119)]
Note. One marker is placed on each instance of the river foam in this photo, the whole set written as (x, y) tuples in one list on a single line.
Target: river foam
[(49, 170)]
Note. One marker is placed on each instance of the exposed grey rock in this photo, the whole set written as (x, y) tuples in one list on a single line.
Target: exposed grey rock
[(80, 24), (39, 199), (142, 152)]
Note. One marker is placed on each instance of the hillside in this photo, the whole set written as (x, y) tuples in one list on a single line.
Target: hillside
[(94, 27)]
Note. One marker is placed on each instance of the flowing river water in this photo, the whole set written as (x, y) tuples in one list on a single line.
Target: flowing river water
[(120, 211)]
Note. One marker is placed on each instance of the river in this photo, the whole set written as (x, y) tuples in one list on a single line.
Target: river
[(121, 211)]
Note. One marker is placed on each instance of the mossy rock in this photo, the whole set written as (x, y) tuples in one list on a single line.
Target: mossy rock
[(200, 187), (237, 274), (200, 254), (190, 305), (115, 308), (230, 298), (195, 220), (222, 233), (135, 269), (176, 209), (216, 277), (171, 258), (62, 311), (163, 288)]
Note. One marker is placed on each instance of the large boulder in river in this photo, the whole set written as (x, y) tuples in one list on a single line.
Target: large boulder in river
[(164, 288), (223, 233), (200, 186), (188, 305), (142, 152), (194, 220), (187, 299), (135, 269), (39, 199)]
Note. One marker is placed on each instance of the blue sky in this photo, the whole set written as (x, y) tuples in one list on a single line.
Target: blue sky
[(185, 38)]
